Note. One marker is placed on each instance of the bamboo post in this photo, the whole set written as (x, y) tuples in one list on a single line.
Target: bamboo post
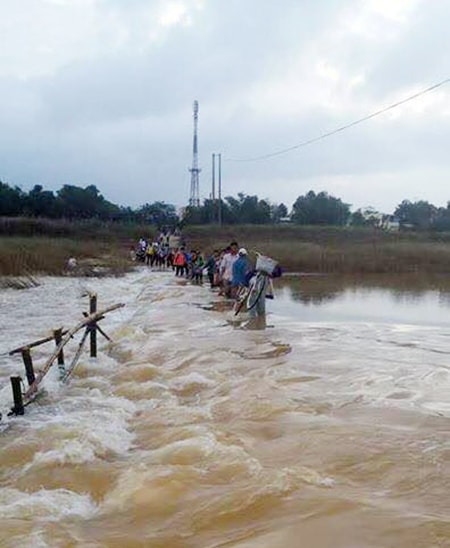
[(35, 343), (74, 362), (28, 362), (100, 330), (66, 338), (18, 408), (57, 333), (93, 330)]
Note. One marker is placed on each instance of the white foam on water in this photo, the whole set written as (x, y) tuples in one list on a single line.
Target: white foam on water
[(68, 452), (80, 429), (37, 540), (45, 505), (58, 302), (189, 451), (34, 539), (193, 379), (439, 408), (291, 477)]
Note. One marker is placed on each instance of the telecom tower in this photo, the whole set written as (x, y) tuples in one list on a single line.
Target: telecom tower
[(194, 199)]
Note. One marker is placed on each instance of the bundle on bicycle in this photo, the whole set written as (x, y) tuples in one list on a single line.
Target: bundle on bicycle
[(251, 296)]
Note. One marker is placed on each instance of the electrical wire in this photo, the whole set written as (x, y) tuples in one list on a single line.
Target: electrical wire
[(342, 128)]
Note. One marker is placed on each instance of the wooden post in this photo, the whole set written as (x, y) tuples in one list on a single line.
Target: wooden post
[(71, 367), (26, 356), (100, 330), (35, 343), (93, 318), (57, 333), (93, 327), (17, 396)]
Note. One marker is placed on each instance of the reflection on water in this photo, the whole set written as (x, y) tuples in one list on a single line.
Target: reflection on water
[(406, 299)]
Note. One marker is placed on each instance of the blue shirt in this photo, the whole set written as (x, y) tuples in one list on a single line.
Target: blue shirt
[(240, 269)]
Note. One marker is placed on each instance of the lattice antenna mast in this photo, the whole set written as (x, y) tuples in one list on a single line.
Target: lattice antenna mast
[(194, 199)]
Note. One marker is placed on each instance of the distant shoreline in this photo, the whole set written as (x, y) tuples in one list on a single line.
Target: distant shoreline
[(41, 246)]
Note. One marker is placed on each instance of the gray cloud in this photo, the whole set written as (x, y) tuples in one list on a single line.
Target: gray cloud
[(116, 111)]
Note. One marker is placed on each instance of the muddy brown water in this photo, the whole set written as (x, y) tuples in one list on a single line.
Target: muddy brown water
[(328, 429)]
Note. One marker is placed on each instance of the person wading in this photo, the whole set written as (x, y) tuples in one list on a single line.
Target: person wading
[(226, 268), (180, 262)]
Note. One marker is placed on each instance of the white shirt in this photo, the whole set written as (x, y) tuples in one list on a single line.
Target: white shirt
[(226, 266)]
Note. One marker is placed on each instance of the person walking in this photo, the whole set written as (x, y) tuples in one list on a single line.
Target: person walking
[(197, 266), (240, 270), (211, 267), (149, 255), (180, 262), (226, 267)]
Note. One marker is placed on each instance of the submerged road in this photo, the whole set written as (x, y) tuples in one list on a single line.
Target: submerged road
[(190, 432)]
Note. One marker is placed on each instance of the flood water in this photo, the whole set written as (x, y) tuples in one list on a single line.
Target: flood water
[(331, 428)]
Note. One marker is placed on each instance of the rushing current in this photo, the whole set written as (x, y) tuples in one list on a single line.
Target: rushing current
[(330, 428)]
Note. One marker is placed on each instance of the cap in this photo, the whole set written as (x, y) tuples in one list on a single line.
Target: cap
[(242, 251)]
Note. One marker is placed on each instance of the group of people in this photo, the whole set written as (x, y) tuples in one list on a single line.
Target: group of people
[(233, 269), (227, 269), (159, 252), (189, 264)]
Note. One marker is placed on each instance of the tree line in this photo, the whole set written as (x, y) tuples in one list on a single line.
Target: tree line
[(242, 209), (321, 209), (76, 203)]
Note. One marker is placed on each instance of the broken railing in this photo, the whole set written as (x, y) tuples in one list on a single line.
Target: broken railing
[(61, 337)]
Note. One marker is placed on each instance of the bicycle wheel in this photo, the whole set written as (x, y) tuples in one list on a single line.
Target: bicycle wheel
[(240, 299), (256, 290)]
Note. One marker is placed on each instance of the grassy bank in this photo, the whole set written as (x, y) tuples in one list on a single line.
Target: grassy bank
[(43, 246), (334, 250), (20, 256), (31, 246), (91, 229)]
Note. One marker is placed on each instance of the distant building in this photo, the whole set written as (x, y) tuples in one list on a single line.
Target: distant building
[(285, 220), (390, 223), (383, 221)]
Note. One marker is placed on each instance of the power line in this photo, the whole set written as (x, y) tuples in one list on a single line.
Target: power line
[(342, 128)]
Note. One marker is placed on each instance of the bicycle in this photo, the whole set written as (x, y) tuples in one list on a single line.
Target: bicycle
[(252, 294)]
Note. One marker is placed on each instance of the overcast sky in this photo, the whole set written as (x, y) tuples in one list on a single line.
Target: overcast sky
[(100, 92)]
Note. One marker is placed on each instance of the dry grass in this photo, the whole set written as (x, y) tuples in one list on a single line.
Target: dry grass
[(333, 250), (18, 282), (26, 257), (89, 229), (103, 247)]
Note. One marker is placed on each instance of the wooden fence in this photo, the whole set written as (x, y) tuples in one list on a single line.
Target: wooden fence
[(61, 338)]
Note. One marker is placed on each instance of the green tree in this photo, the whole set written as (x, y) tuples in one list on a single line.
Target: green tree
[(278, 212), (158, 213), (206, 213), (320, 209), (12, 200), (244, 209), (421, 214), (85, 203), (42, 203), (358, 219), (247, 210), (442, 219), (367, 217)]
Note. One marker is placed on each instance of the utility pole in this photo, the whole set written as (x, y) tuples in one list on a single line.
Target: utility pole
[(220, 190), (213, 194)]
